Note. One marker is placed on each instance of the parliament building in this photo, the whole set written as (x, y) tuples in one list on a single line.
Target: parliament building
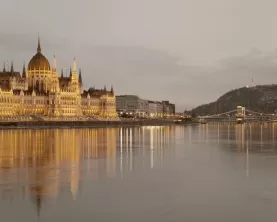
[(40, 92)]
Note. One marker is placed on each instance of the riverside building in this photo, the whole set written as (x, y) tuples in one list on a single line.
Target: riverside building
[(133, 105), (40, 91)]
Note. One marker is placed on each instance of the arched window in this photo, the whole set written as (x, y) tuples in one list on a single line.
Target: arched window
[(41, 86)]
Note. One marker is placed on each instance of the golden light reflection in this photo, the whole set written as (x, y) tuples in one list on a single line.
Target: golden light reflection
[(45, 161), (147, 142)]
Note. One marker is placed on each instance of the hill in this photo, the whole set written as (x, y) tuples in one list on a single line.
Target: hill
[(261, 98)]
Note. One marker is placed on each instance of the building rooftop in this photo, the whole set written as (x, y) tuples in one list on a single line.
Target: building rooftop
[(7, 75), (134, 96)]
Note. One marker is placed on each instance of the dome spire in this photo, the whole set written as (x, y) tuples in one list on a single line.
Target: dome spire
[(39, 62), (38, 48)]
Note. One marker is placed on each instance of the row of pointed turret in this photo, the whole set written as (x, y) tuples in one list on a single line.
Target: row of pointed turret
[(24, 72), (92, 89), (11, 70), (70, 72), (105, 89), (54, 69), (13, 73), (74, 70), (70, 75)]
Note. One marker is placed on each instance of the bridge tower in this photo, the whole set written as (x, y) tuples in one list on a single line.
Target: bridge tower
[(240, 114)]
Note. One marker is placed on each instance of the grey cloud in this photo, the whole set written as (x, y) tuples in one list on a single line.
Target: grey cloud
[(158, 49), (21, 47), (152, 74), (15, 41), (136, 61), (27, 43), (229, 73)]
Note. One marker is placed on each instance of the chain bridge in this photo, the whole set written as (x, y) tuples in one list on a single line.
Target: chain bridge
[(239, 115)]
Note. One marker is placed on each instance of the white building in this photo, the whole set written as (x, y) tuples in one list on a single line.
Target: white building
[(155, 109), (168, 109), (135, 106), (131, 104)]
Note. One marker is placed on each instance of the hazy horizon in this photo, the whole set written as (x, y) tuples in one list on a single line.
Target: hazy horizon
[(189, 52)]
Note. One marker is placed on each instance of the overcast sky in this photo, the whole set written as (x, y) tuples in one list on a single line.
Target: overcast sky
[(185, 51)]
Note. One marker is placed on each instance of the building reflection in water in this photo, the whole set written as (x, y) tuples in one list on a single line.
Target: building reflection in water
[(43, 162), (246, 138), (238, 137), (146, 143), (39, 164)]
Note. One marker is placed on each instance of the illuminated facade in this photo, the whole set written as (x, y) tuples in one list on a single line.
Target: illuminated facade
[(40, 91)]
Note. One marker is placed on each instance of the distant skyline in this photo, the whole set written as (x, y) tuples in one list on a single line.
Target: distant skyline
[(187, 51)]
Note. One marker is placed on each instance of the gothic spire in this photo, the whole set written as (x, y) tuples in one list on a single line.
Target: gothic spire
[(112, 90), (70, 73), (105, 89), (38, 48), (4, 68), (80, 77), (62, 74), (24, 71), (54, 64), (12, 67)]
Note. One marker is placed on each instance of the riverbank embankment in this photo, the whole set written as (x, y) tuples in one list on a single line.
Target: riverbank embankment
[(82, 124)]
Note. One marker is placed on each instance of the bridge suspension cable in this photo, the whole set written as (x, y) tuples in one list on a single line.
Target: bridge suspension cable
[(219, 114), (240, 113), (265, 114)]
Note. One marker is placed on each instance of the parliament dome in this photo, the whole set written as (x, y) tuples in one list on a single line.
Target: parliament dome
[(39, 61)]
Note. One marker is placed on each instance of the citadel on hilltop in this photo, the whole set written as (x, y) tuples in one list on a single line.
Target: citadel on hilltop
[(41, 92)]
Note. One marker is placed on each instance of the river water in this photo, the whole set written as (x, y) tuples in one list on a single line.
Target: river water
[(212, 172)]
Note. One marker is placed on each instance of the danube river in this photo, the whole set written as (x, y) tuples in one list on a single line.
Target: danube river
[(212, 172)]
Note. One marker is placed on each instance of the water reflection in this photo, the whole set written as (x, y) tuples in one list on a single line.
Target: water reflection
[(40, 164), (146, 143), (164, 169), (238, 137)]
